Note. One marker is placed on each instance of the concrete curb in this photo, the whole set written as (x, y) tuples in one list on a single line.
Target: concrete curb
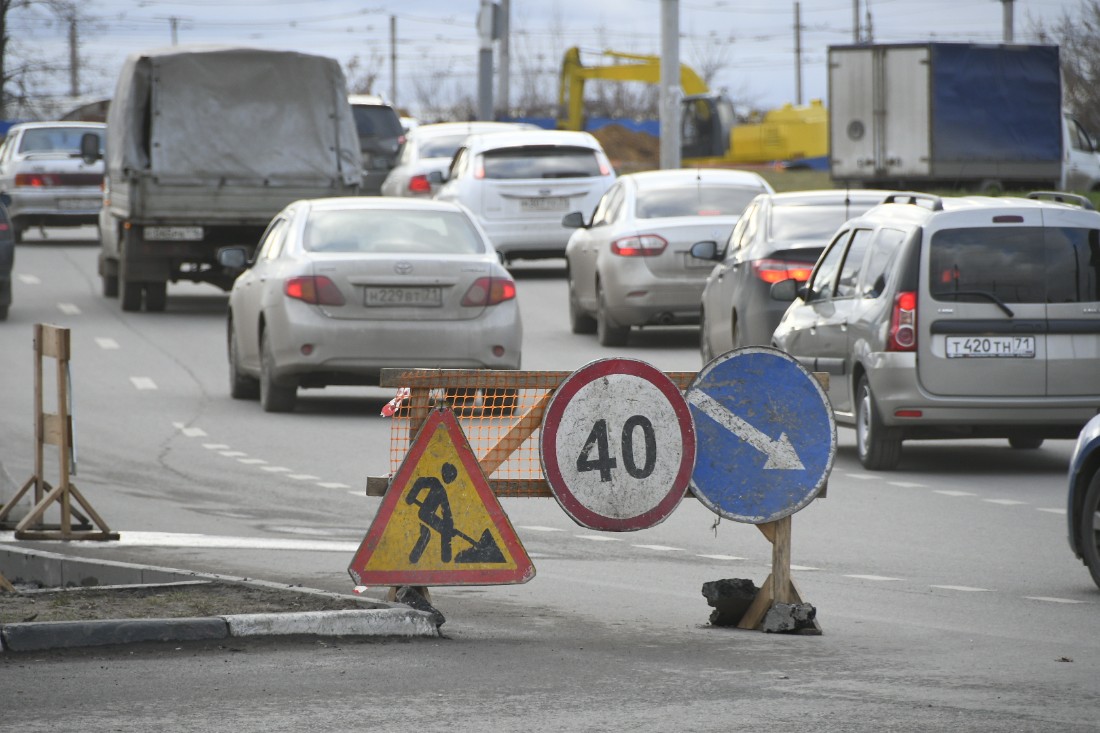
[(376, 619)]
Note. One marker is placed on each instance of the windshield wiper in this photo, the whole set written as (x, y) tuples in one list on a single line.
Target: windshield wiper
[(981, 294)]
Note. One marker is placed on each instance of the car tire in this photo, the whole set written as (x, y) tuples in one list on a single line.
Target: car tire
[(4, 312), (241, 386), (1025, 442), (608, 333), (110, 286), (129, 292), (156, 296), (579, 321), (735, 332), (704, 344), (879, 447), (1089, 531), (273, 397), (17, 230)]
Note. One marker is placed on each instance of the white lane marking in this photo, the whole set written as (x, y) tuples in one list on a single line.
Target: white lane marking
[(963, 588), (29, 280), (596, 538), (907, 484), (659, 548), (945, 492), (69, 309), (1048, 599), (876, 578), (215, 446), (1004, 502), (781, 454), (194, 432), (143, 383), (537, 528), (803, 567), (251, 461), (721, 557), (232, 453), (356, 493), (1051, 510), (170, 539), (276, 469), (106, 344), (333, 485), (303, 476), (861, 476)]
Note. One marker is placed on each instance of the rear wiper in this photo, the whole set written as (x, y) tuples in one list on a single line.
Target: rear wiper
[(981, 294)]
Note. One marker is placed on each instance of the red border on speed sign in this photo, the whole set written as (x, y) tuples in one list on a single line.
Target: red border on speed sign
[(617, 445)]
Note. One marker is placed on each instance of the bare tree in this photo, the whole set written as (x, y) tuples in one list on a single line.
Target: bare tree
[(1077, 33), (362, 75)]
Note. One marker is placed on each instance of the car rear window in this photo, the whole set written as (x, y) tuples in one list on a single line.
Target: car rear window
[(1016, 264), (540, 161), (56, 139), (793, 222), (377, 121), (389, 231), (697, 200), (441, 147)]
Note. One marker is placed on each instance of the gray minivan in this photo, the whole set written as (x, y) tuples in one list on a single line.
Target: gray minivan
[(969, 317)]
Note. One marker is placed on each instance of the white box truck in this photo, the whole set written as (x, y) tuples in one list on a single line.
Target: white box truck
[(204, 146), (936, 115)]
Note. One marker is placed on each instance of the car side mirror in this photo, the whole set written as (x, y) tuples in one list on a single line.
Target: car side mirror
[(233, 258), (89, 147), (705, 250), (573, 220), (788, 290)]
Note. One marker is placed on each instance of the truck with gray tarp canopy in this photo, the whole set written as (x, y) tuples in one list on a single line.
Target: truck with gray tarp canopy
[(205, 144)]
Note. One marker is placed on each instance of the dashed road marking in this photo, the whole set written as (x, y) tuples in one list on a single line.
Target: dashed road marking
[(721, 557), (1051, 510), (962, 588), (106, 344), (659, 548), (303, 476), (215, 446), (251, 461), (276, 469), (945, 492), (907, 484), (143, 383), (803, 568), (1052, 600), (537, 528), (875, 578), (596, 537), (860, 476), (1004, 502), (232, 453), (29, 280), (69, 309), (333, 485)]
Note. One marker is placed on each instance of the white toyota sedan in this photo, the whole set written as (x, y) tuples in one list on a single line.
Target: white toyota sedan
[(340, 288)]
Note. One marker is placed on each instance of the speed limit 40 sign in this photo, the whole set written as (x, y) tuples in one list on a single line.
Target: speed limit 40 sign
[(617, 445)]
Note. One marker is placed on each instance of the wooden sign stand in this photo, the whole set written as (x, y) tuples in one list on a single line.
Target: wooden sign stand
[(779, 586), (54, 429)]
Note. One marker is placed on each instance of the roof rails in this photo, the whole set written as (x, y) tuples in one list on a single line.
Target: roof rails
[(1063, 198), (933, 202)]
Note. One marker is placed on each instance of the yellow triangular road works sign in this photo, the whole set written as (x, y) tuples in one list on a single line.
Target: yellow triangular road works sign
[(440, 523)]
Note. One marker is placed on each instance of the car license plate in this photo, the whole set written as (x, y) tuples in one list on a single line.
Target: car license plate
[(1015, 347), (77, 204), (544, 203), (415, 297), (174, 234)]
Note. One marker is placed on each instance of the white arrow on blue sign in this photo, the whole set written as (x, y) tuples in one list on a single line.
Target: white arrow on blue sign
[(765, 433)]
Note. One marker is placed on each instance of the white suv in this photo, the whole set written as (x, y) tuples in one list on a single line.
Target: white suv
[(969, 317)]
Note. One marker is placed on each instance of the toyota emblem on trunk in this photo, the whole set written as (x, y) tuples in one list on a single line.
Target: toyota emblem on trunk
[(402, 267)]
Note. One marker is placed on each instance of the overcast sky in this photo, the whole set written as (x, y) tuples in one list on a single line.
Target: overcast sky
[(437, 43)]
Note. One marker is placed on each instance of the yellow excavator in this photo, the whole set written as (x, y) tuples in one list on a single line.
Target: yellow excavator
[(710, 133)]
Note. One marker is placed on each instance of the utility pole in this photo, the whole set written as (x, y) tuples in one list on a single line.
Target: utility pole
[(855, 21), (393, 60), (504, 81), (173, 23), (1007, 18), (74, 59), (798, 54), (485, 23), (671, 93)]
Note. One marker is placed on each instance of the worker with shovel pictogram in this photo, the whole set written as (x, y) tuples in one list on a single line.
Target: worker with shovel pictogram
[(435, 515)]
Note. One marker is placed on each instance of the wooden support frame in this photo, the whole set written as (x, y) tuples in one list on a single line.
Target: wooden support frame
[(54, 429), (779, 587)]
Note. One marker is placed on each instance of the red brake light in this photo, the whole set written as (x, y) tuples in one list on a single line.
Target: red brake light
[(489, 291), (36, 180), (314, 289), (773, 271), (903, 323), (419, 184), (642, 245)]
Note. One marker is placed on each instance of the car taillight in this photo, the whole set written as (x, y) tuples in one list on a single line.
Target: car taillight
[(773, 271), (903, 323), (419, 184), (642, 245), (489, 291), (314, 289), (36, 180)]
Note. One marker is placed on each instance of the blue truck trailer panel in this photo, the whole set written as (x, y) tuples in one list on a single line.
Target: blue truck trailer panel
[(995, 103)]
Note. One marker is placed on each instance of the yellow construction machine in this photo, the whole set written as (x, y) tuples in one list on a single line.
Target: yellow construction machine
[(710, 132)]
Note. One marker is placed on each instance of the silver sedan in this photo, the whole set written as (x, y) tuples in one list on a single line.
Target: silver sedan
[(343, 287), (631, 265)]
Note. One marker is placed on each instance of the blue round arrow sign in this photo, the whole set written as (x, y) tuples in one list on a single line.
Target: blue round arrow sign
[(765, 435)]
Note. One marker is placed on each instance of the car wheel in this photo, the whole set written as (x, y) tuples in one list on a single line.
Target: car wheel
[(579, 321), (735, 332), (241, 386), (1089, 529), (17, 229), (110, 286), (878, 446), (4, 312), (156, 296), (608, 333), (129, 292), (1025, 442), (273, 397), (704, 344)]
